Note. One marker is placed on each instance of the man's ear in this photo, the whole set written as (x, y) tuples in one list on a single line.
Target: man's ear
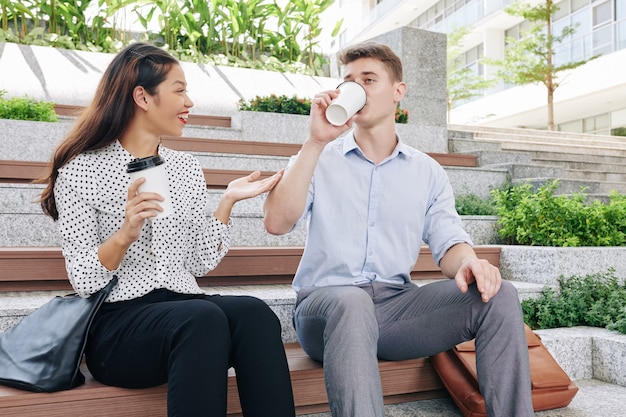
[(401, 88), (141, 97)]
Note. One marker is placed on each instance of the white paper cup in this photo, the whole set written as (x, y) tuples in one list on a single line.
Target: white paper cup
[(152, 168), (350, 100)]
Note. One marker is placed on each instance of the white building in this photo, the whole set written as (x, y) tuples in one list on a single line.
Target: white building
[(590, 99)]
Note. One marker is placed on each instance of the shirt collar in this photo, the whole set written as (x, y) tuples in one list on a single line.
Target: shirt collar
[(349, 145), (117, 147)]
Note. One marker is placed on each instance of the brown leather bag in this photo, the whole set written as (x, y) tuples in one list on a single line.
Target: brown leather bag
[(551, 387)]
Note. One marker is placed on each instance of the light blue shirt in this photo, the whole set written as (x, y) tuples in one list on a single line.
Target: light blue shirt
[(367, 222)]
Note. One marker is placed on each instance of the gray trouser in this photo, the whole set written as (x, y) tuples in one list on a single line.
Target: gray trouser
[(349, 327)]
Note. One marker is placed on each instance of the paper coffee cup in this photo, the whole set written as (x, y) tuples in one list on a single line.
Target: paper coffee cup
[(350, 100), (152, 168)]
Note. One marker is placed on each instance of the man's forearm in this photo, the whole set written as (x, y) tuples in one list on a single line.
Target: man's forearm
[(285, 203), (454, 258)]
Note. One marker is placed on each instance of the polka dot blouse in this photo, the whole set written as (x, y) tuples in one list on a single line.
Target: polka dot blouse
[(90, 194)]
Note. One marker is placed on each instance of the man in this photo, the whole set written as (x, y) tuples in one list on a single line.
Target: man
[(371, 202)]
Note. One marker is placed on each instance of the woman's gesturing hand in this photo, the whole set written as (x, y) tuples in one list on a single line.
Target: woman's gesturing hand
[(250, 186), (242, 188)]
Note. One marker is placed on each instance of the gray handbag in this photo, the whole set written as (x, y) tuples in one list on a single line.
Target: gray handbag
[(43, 352)]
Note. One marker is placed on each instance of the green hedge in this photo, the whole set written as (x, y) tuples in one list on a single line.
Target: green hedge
[(538, 217), (597, 300), (25, 108), (294, 105)]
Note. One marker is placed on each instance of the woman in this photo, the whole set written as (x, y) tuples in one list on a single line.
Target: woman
[(157, 326)]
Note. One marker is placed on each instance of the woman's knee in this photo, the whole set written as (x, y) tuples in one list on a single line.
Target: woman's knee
[(199, 317), (252, 315)]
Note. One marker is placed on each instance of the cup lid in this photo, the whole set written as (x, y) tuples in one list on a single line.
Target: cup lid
[(139, 164)]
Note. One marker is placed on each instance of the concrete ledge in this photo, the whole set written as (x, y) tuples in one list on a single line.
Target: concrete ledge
[(588, 352), (280, 297), (544, 265)]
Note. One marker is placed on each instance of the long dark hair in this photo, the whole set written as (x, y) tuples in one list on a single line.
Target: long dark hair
[(111, 110)]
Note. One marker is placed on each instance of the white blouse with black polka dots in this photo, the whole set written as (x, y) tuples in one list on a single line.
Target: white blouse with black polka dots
[(90, 194)]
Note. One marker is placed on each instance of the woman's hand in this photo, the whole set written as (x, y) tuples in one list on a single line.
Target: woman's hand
[(250, 186), (139, 207), (243, 188)]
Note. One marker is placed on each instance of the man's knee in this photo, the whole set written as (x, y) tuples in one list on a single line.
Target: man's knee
[(339, 301), (329, 313), (506, 302)]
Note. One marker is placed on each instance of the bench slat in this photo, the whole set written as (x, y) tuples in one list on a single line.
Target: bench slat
[(43, 268), (401, 380)]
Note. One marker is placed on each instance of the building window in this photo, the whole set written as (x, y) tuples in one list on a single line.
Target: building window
[(602, 14)]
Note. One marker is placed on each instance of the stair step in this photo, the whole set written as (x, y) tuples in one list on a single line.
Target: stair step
[(594, 398), (281, 298), (22, 222)]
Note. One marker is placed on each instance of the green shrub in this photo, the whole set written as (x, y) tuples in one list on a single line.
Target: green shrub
[(402, 115), (293, 105), (528, 216), (472, 205), (597, 300), (277, 104), (26, 108)]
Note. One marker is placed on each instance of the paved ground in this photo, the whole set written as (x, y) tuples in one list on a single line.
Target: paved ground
[(594, 399)]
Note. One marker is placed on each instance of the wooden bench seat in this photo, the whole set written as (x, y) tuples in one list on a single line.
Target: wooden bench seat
[(26, 171), (407, 380), (43, 268)]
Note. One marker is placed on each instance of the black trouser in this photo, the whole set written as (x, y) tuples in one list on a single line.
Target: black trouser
[(189, 342)]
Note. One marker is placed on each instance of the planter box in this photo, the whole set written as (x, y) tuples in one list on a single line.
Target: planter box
[(544, 265), (294, 128), (22, 140), (482, 229), (272, 127)]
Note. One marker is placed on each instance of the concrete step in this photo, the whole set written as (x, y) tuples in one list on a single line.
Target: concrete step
[(539, 135), (574, 166), (280, 297), (23, 224), (509, 153), (600, 183), (605, 176), (571, 149), (569, 186), (595, 398), (594, 358), (576, 161), (488, 158)]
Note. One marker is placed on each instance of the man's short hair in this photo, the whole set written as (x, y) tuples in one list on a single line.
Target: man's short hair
[(374, 50)]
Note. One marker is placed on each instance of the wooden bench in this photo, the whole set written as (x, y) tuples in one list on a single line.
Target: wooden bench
[(284, 149), (23, 172), (43, 268), (402, 381)]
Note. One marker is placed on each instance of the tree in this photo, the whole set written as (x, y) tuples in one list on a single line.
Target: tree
[(530, 59), (461, 83)]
